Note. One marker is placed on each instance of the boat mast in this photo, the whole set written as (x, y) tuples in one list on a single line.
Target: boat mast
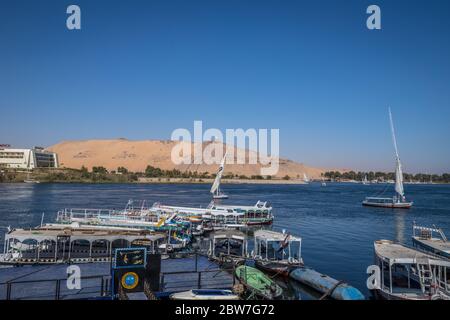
[(398, 170)]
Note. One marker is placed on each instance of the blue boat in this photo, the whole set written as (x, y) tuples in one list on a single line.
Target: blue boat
[(326, 285)]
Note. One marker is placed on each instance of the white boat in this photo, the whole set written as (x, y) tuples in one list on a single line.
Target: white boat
[(324, 184), (215, 188), (409, 274), (365, 181), (399, 199), (205, 294), (224, 216), (29, 179), (431, 239)]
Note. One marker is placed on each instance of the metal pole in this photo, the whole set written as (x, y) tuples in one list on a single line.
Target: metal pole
[(390, 277), (8, 291), (38, 247), (56, 249), (70, 249), (57, 289), (90, 250)]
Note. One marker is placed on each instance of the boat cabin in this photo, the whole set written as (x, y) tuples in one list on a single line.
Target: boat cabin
[(228, 242)]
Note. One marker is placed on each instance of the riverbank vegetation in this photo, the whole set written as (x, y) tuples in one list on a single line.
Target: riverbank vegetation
[(386, 176), (99, 174)]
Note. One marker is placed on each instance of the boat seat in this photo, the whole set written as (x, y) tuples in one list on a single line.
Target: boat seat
[(425, 234)]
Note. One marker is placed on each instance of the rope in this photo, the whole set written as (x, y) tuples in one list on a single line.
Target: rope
[(329, 292), (382, 191)]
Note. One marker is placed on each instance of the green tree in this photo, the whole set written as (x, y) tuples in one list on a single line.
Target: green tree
[(122, 170), (99, 170)]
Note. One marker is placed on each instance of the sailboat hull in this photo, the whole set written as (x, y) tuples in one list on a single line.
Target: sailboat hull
[(400, 205)]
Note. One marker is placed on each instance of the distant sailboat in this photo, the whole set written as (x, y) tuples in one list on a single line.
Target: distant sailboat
[(398, 200), (305, 178), (215, 188), (365, 181), (324, 184), (29, 179)]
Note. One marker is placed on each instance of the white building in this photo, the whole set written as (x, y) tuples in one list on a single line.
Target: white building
[(27, 158)]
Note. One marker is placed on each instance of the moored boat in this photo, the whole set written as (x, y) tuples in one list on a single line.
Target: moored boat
[(326, 285), (277, 252), (258, 283), (431, 239), (409, 274)]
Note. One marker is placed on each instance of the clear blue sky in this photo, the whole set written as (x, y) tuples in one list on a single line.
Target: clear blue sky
[(140, 69)]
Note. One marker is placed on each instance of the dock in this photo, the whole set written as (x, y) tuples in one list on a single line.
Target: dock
[(48, 282)]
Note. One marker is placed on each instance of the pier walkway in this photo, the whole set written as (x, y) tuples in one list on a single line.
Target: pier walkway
[(50, 281)]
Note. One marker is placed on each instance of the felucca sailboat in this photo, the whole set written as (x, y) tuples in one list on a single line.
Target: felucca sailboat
[(399, 199), (215, 188), (305, 178)]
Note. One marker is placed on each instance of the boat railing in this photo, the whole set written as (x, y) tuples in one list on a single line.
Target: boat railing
[(56, 289), (89, 214), (427, 232)]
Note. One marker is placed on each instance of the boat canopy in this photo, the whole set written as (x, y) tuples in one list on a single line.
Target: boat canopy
[(229, 234), (394, 253), (40, 235), (273, 236)]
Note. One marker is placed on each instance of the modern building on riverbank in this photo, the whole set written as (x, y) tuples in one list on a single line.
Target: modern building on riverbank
[(27, 158)]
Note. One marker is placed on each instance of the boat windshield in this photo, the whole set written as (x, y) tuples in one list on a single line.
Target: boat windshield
[(379, 200)]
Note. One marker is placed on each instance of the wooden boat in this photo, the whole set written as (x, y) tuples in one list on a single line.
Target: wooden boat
[(409, 274), (258, 283), (398, 200), (275, 268), (205, 294), (277, 252), (425, 239)]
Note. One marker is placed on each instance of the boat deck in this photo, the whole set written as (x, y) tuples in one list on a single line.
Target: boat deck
[(437, 245), (396, 252)]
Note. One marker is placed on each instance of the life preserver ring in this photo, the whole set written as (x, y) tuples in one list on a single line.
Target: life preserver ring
[(169, 247)]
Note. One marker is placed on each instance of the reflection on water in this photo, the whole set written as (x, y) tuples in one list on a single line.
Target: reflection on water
[(337, 232), (399, 227)]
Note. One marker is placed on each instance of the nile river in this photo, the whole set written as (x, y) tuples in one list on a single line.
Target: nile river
[(337, 232)]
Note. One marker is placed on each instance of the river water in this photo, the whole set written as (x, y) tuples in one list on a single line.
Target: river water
[(337, 232)]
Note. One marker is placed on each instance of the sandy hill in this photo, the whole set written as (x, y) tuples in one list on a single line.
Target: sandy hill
[(136, 155)]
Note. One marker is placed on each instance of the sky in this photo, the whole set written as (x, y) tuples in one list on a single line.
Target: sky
[(312, 69)]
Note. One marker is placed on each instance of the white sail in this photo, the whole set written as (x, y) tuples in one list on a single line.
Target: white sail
[(305, 177), (216, 183), (398, 170)]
